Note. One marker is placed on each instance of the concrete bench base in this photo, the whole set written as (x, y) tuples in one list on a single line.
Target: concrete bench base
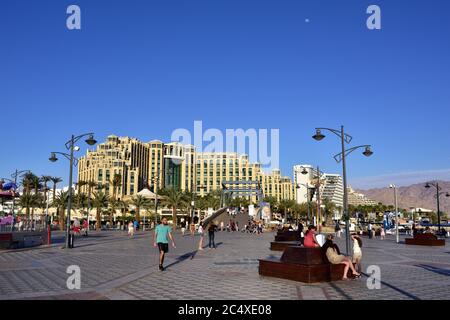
[(302, 264), (425, 242), (302, 273)]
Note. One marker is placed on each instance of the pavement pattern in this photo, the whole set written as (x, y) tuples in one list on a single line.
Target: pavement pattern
[(115, 266)]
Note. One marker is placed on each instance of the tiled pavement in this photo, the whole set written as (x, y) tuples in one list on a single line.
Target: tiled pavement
[(114, 266)]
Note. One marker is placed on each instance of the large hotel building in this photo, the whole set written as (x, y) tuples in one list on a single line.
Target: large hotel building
[(163, 165)]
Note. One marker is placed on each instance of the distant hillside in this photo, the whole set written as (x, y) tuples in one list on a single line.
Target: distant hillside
[(415, 195)]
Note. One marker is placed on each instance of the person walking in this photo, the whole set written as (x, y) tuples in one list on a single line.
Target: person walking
[(382, 233), (161, 237), (201, 232), (183, 228), (85, 227), (337, 229), (211, 230), (130, 228), (136, 225), (369, 230), (301, 235)]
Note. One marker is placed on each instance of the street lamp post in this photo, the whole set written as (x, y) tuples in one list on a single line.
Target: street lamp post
[(397, 236), (438, 194), (155, 180), (70, 145), (14, 176), (297, 186), (341, 157), (318, 175)]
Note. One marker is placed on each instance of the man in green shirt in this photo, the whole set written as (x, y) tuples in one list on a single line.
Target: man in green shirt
[(161, 239)]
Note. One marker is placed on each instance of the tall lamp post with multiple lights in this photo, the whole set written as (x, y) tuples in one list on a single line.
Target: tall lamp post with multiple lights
[(308, 200), (397, 237), (15, 175), (317, 185), (438, 194), (341, 157), (70, 145)]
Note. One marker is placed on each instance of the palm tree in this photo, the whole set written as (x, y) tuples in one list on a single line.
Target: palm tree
[(60, 202), (174, 199), (330, 207), (36, 181), (81, 200), (139, 202), (114, 205), (45, 180), (28, 180), (100, 201), (55, 181), (116, 182), (27, 201)]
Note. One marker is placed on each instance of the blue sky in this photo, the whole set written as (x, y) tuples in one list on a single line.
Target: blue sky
[(145, 68)]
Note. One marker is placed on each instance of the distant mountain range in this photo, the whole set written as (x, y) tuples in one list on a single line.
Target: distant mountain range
[(415, 195)]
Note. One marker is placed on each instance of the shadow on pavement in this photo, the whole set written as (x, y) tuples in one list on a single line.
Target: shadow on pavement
[(187, 255), (444, 272)]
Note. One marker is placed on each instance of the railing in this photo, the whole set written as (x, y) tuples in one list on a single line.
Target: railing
[(26, 226)]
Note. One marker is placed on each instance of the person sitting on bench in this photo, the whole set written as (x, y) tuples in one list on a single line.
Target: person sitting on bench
[(310, 238), (334, 256)]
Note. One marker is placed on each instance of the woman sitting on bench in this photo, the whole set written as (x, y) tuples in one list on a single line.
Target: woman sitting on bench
[(310, 238), (331, 251)]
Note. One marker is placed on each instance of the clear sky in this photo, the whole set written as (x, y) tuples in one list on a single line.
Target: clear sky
[(144, 68)]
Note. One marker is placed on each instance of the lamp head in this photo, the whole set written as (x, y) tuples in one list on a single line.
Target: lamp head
[(318, 136), (76, 148), (53, 157), (368, 151), (90, 140), (304, 171), (447, 194), (427, 186)]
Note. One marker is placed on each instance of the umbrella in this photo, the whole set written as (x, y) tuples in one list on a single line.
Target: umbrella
[(148, 194), (8, 186)]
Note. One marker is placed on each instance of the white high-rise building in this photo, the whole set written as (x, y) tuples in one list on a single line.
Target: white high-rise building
[(302, 180), (331, 185)]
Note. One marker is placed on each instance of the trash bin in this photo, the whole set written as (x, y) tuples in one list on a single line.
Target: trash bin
[(71, 239)]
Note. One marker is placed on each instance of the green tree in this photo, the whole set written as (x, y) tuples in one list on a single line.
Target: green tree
[(100, 202), (174, 199), (116, 182), (60, 202), (139, 201), (55, 181)]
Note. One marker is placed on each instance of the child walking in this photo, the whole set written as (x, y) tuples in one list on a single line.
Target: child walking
[(357, 252)]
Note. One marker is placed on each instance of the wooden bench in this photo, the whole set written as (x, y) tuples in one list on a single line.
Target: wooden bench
[(282, 245), (302, 264), (287, 236), (425, 239)]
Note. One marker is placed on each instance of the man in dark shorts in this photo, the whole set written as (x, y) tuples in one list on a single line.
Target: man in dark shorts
[(163, 232)]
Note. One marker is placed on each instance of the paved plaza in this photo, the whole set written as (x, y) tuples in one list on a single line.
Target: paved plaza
[(114, 266)]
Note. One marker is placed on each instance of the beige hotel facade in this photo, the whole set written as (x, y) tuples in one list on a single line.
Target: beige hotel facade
[(155, 164)]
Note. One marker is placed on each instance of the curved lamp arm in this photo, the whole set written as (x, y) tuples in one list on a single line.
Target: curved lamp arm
[(338, 157), (348, 138), (72, 141), (67, 156)]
